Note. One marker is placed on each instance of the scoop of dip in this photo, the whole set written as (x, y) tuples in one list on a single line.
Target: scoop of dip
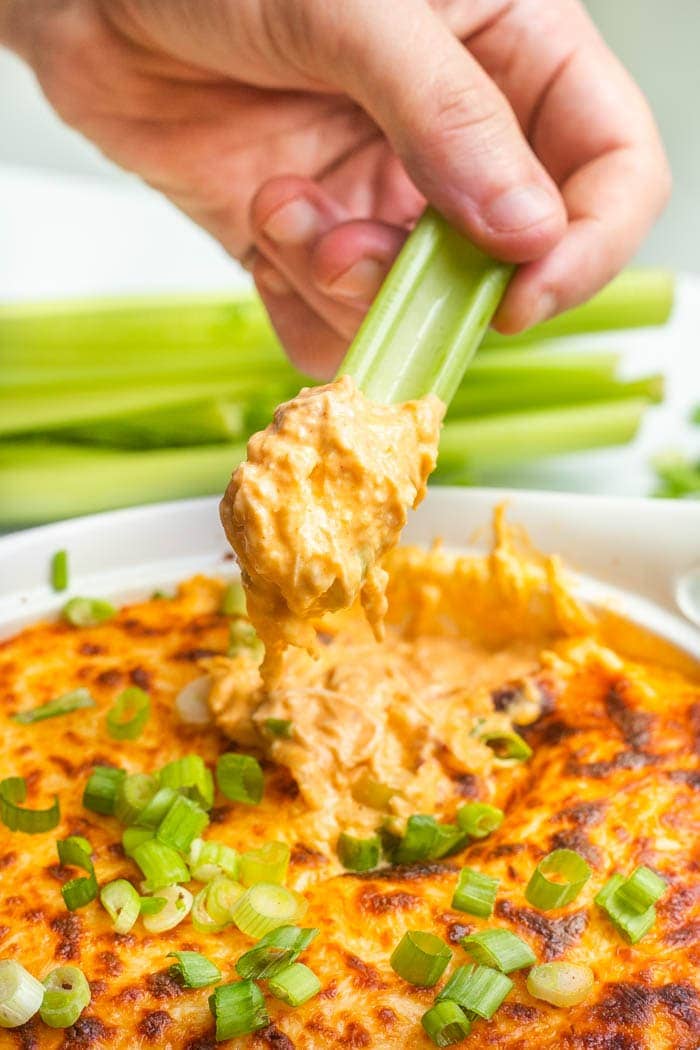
[(322, 496)]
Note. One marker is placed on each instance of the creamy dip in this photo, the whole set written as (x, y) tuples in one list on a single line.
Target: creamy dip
[(322, 496)]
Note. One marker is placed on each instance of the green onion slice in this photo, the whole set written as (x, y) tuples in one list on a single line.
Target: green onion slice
[(631, 924), (446, 1023), (101, 790), (450, 839), (282, 728), (222, 896), (508, 747), (78, 892), (161, 865), (269, 863), (66, 995), (127, 718), (571, 873), (294, 985), (499, 948), (240, 778), (151, 905), (359, 854), (419, 840), (560, 983), (266, 906), (182, 824), (238, 1009), (420, 958), (206, 860), (275, 951), (59, 570), (201, 918), (478, 990), (190, 776), (642, 889), (87, 612), (61, 705), (153, 812), (233, 601), (478, 819), (13, 790), (133, 837), (21, 995), (135, 791), (475, 893), (122, 903), (178, 904), (193, 970)]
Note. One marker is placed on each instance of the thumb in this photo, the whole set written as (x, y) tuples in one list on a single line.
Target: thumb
[(452, 127)]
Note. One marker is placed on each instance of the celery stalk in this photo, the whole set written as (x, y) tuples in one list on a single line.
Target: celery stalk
[(636, 298), (200, 423), (543, 388), (467, 444), (428, 318)]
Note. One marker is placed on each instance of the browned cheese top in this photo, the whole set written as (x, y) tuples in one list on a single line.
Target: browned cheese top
[(322, 496)]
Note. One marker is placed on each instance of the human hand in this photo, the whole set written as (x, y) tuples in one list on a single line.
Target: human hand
[(306, 137)]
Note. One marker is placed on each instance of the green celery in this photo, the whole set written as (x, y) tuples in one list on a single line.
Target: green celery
[(201, 423), (542, 388), (428, 318)]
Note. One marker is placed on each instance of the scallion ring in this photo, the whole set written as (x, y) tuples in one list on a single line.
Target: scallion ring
[(80, 891), (206, 860), (269, 863), (420, 958), (190, 776), (275, 951), (21, 994), (630, 923), (359, 854), (66, 995), (161, 865), (265, 906), (557, 880), (134, 793), (194, 970), (178, 904), (560, 983), (127, 718), (478, 819), (479, 990), (642, 889), (65, 704), (13, 790), (87, 612), (238, 1009), (446, 1023), (240, 778), (294, 985), (475, 893), (100, 794), (182, 824), (122, 903), (500, 949)]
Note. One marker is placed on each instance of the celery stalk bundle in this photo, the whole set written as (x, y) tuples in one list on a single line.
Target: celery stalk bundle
[(113, 403)]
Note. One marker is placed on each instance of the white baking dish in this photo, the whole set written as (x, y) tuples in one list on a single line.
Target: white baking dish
[(640, 556)]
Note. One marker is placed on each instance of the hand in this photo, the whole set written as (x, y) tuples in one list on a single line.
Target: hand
[(305, 135)]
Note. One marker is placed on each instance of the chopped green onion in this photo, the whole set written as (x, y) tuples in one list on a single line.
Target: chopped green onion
[(478, 819), (191, 774), (266, 906), (420, 958), (478, 990), (359, 854), (243, 638), (182, 824), (233, 600), (61, 705), (499, 948), (560, 983), (222, 895), (238, 1009), (508, 746), (122, 903), (78, 892), (372, 793), (151, 905), (282, 728), (101, 790), (134, 793), (446, 1023), (450, 839), (87, 612), (66, 995), (206, 860), (642, 889), (630, 923), (178, 904), (161, 865), (571, 873), (13, 790), (267, 864), (202, 921), (276, 950), (134, 836), (155, 809), (295, 985), (194, 970), (59, 571), (419, 840), (475, 893), (128, 716), (21, 995), (240, 778)]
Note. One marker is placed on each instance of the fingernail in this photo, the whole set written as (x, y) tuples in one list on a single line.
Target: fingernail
[(295, 222), (545, 307), (361, 281), (272, 280), (520, 208)]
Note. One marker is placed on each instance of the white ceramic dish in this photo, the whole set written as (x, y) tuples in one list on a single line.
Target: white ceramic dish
[(640, 556)]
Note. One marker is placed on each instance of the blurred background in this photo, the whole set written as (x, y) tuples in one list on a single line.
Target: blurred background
[(71, 224)]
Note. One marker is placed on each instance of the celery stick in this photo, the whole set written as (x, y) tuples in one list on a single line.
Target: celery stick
[(428, 318), (635, 299), (468, 444), (542, 388), (497, 364), (200, 423), (40, 483)]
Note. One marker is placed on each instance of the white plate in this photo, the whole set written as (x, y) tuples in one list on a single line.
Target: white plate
[(641, 556)]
